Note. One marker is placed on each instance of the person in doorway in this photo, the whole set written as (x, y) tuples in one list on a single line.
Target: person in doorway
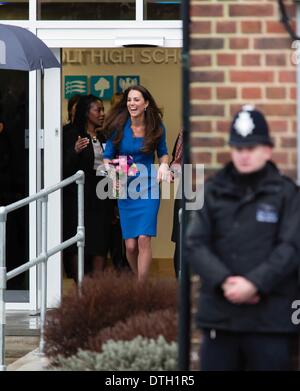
[(117, 245), (116, 98), (72, 103), (136, 129), (68, 192), (175, 167), (84, 151), (244, 245)]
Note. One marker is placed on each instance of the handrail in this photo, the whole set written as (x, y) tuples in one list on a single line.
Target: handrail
[(45, 253)]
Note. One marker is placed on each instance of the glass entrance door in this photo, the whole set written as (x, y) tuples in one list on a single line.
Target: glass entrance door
[(14, 175)]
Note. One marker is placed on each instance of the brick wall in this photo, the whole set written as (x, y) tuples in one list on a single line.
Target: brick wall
[(241, 53)]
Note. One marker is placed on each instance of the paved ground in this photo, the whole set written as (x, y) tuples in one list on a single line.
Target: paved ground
[(33, 361)]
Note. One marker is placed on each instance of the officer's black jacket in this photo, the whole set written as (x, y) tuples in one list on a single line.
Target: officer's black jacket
[(252, 232)]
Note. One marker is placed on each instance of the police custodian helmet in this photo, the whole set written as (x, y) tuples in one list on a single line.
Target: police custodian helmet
[(249, 127)]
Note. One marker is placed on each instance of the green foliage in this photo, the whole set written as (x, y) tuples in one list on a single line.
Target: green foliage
[(140, 354)]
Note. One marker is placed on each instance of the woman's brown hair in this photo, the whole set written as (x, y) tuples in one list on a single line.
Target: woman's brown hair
[(118, 115)]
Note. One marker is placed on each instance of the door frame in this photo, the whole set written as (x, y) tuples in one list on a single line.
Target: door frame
[(58, 35)]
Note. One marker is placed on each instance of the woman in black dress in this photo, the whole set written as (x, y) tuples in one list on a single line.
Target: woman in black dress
[(83, 149), (68, 192)]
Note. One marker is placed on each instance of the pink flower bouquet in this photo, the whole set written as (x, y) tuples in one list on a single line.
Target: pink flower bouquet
[(124, 167)]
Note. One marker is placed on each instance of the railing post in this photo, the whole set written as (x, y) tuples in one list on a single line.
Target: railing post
[(3, 218), (44, 201), (80, 228)]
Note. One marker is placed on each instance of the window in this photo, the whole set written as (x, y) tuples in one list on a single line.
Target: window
[(86, 10), (14, 10), (162, 9)]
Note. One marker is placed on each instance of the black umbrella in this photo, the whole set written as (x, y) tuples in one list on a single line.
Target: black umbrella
[(21, 50)]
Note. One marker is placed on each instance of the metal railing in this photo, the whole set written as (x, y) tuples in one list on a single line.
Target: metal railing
[(45, 254)]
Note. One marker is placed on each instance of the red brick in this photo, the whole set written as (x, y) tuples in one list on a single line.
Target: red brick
[(202, 157), (223, 126), (291, 9), (211, 10), (284, 110), (293, 175), (280, 157), (207, 142), (251, 76), (200, 60), (239, 43), (207, 110), (226, 27), (251, 93), (207, 77), (276, 59), (293, 93), (287, 76), (223, 157), (203, 93), (275, 27), (207, 43), (258, 10), (226, 93), (278, 110), (251, 27), (275, 92), (278, 126), (226, 59), (201, 126), (208, 172), (288, 142), (272, 43), (251, 59), (294, 158), (200, 27)]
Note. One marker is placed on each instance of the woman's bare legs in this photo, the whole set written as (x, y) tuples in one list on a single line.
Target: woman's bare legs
[(132, 254), (144, 257)]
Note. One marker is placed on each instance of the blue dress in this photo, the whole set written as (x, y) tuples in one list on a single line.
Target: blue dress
[(138, 212)]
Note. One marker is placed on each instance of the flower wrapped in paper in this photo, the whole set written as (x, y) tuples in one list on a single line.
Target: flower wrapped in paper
[(124, 167)]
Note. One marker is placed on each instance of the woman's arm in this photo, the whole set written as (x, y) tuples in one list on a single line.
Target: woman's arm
[(110, 150), (163, 173), (164, 160)]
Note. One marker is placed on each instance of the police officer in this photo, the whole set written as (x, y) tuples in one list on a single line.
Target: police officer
[(243, 244)]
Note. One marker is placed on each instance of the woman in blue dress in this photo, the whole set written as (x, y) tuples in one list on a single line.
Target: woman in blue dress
[(136, 129)]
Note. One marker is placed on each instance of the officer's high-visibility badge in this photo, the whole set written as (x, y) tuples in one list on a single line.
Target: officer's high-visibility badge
[(266, 213), (244, 124)]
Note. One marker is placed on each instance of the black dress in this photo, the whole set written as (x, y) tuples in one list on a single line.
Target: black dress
[(98, 215)]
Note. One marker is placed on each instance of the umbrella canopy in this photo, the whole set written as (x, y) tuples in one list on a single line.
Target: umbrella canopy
[(21, 50)]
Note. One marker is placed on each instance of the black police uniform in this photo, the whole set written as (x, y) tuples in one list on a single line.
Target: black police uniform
[(249, 226)]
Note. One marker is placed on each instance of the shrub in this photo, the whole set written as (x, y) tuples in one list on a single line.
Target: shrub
[(151, 326), (106, 299), (140, 354)]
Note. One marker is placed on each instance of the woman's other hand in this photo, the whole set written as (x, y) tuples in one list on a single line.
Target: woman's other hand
[(81, 144), (163, 173)]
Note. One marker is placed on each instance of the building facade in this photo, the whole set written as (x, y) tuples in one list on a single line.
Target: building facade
[(92, 39), (241, 53)]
